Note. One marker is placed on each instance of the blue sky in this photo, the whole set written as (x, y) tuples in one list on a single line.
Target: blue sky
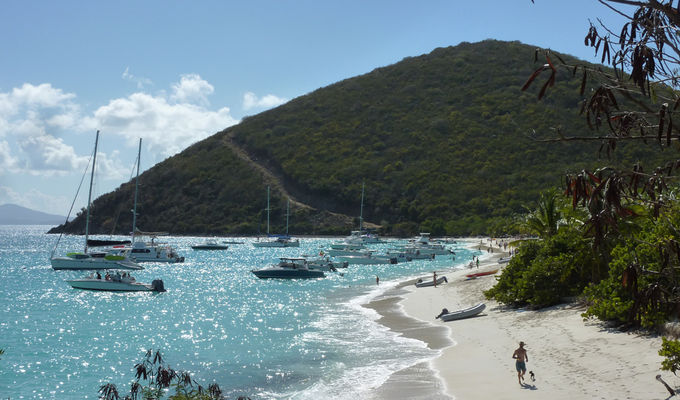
[(176, 72)]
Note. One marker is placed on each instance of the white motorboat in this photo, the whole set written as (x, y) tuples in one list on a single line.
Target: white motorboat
[(325, 264), (278, 240), (413, 254), (289, 268), (91, 260), (115, 282), (369, 259), (422, 245), (359, 251), (348, 245)]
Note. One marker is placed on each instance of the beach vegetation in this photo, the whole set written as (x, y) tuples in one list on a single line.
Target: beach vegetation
[(670, 350), (155, 380), (544, 272), (642, 287), (631, 218), (546, 219)]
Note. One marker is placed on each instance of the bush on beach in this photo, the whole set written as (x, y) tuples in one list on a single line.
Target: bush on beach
[(545, 271)]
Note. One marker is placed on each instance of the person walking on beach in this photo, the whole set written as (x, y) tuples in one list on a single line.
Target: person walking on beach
[(521, 358), (434, 278)]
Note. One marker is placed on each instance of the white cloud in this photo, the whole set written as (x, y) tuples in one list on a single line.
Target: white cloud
[(7, 162), (48, 155), (139, 81), (41, 123), (192, 89), (165, 128), (250, 101), (44, 96)]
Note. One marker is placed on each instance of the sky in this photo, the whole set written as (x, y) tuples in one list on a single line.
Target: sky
[(175, 72)]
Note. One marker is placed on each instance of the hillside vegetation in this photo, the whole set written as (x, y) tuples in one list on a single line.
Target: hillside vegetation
[(442, 141)]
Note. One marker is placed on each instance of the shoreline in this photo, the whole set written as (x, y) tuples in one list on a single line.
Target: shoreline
[(571, 358)]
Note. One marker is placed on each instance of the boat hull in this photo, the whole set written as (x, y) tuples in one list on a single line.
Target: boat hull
[(109, 286), (209, 247), (478, 274), (464, 313), (440, 280), (277, 243), (368, 260), (90, 263), (282, 273)]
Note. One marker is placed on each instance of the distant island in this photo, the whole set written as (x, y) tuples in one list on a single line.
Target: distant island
[(12, 214)]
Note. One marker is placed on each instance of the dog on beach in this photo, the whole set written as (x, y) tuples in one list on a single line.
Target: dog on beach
[(533, 377)]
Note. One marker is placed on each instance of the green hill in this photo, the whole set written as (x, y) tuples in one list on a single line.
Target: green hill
[(442, 141)]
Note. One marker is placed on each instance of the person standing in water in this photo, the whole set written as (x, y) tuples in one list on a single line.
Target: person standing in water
[(521, 358)]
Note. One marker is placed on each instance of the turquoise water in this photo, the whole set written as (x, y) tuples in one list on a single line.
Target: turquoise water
[(267, 339)]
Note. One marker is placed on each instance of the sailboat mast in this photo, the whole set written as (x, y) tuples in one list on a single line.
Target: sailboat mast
[(267, 210), (134, 209), (361, 213), (287, 214), (89, 196)]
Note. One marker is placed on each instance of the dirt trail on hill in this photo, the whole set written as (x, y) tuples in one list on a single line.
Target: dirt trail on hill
[(270, 177), (297, 196)]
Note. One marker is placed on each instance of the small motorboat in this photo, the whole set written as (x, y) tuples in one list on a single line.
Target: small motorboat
[(445, 315), (440, 280), (325, 264), (115, 282), (478, 274), (369, 258), (210, 245), (413, 254), (289, 268)]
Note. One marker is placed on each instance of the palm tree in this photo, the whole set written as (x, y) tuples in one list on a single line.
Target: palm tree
[(546, 219)]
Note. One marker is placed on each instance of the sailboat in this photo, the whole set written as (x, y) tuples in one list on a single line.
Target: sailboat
[(361, 237), (279, 240), (91, 260), (142, 251)]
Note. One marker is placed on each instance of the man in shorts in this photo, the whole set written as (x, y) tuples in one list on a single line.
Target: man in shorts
[(520, 355)]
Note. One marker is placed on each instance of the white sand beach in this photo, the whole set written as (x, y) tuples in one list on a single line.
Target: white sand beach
[(571, 359)]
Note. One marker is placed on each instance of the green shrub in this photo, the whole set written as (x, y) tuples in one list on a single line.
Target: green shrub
[(545, 272), (639, 289), (670, 349)]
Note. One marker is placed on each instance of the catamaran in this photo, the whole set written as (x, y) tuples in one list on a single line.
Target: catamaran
[(143, 251), (88, 259), (279, 240), (360, 237)]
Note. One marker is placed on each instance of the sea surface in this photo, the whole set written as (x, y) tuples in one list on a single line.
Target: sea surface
[(266, 339)]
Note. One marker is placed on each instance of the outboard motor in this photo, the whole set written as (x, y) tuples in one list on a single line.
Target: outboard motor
[(157, 285)]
